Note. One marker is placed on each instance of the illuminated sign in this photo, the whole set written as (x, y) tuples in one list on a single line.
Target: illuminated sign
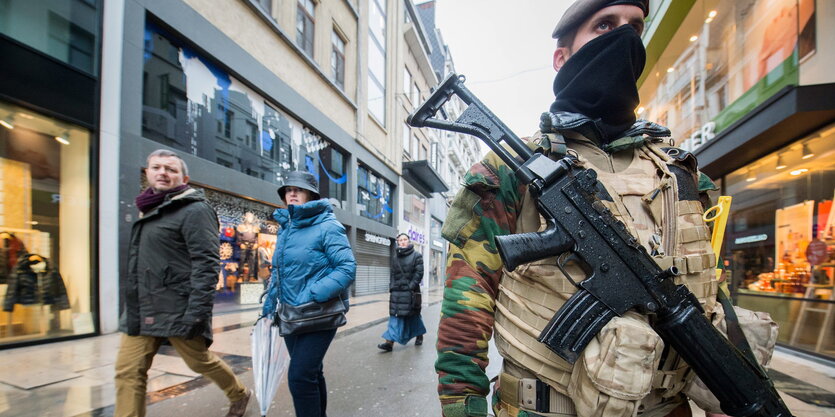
[(750, 239)]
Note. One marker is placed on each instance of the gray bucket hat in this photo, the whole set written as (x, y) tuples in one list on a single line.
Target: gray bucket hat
[(303, 180)]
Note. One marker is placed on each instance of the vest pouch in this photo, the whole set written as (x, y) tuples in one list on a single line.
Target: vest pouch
[(619, 363), (760, 331)]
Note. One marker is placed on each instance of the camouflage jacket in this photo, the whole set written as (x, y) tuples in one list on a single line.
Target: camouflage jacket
[(486, 207)]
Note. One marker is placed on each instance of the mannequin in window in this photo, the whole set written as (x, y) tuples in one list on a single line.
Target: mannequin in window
[(248, 241), (229, 256)]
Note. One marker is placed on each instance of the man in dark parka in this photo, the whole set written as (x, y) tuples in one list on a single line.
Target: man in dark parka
[(168, 292)]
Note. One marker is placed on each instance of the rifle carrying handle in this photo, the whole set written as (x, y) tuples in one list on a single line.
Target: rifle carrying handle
[(577, 322)]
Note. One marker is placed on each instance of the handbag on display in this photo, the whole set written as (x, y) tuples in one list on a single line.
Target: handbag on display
[(311, 317)]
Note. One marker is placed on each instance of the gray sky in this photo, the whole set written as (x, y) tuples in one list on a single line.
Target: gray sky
[(505, 50)]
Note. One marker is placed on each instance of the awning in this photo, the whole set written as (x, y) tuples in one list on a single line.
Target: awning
[(787, 116), (421, 175)]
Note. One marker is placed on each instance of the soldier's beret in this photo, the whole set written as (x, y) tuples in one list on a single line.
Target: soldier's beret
[(581, 10)]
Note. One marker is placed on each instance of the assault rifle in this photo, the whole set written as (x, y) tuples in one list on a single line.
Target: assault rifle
[(621, 275)]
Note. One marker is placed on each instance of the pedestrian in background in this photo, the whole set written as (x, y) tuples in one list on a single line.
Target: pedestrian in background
[(312, 263), (405, 322), (169, 290)]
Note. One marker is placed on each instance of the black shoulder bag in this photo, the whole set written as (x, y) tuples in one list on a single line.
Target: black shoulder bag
[(311, 317)]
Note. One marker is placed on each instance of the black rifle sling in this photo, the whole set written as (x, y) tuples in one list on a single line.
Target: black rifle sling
[(735, 334)]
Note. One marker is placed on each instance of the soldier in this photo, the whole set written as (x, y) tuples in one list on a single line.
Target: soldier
[(655, 191)]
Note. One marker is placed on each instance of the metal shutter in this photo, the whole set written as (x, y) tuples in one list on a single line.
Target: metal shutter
[(373, 268)]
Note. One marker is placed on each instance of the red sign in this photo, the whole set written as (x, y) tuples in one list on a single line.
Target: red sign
[(816, 252)]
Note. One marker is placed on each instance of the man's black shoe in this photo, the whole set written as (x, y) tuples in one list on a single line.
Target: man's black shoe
[(419, 340), (387, 347)]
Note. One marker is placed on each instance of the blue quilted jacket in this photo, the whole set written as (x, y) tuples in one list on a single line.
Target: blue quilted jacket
[(313, 260)]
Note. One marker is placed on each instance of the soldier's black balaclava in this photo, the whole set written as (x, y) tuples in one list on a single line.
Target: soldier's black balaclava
[(600, 81)]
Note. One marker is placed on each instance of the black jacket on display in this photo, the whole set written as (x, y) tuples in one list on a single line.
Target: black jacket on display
[(172, 269), (26, 287), (404, 286)]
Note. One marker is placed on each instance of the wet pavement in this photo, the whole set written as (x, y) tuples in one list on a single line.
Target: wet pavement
[(76, 378)]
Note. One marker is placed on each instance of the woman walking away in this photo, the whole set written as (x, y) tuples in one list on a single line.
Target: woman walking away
[(313, 266), (405, 300)]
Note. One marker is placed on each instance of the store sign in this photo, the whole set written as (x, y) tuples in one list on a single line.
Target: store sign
[(699, 137), (750, 239), (377, 239), (416, 236)]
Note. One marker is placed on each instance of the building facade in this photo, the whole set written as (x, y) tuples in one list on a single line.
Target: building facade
[(246, 92), (747, 87)]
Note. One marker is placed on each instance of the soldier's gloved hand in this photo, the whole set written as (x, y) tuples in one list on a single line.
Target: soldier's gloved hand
[(468, 406), (195, 329)]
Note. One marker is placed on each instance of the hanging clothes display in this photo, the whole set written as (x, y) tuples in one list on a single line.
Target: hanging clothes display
[(34, 282), (229, 256), (248, 241)]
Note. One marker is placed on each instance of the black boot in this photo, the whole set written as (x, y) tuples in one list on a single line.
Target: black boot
[(419, 340), (387, 346)]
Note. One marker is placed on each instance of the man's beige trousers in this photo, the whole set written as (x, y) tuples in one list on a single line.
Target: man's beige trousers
[(134, 360)]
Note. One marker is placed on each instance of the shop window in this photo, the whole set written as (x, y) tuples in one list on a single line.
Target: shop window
[(45, 227), (374, 196), (193, 105), (780, 244), (247, 239), (64, 29), (304, 26)]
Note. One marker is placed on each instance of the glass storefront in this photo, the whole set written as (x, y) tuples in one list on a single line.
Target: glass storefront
[(45, 227), (64, 29), (726, 58), (373, 196), (247, 240), (780, 242), (191, 104), (414, 217)]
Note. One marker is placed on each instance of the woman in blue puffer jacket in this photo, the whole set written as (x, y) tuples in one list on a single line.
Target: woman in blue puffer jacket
[(313, 261)]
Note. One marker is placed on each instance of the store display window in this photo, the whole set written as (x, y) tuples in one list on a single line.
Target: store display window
[(45, 227), (414, 217), (192, 104), (780, 244), (374, 196), (247, 240), (726, 58)]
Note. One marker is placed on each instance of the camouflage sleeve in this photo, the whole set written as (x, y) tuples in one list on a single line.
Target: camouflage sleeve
[(486, 207), (706, 188)]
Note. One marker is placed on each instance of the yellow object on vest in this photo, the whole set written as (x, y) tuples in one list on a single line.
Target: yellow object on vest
[(718, 215)]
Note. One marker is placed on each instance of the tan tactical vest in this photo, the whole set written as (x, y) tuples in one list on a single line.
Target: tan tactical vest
[(645, 198)]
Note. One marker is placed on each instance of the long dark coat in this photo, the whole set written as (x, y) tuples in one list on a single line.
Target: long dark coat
[(173, 266), (404, 286)]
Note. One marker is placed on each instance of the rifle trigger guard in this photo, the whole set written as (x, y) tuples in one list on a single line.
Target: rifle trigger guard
[(563, 259)]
